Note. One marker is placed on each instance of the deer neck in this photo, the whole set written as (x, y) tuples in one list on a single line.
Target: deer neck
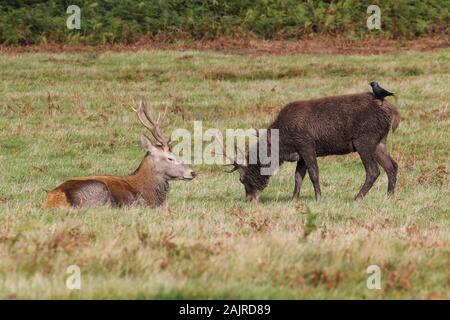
[(150, 185)]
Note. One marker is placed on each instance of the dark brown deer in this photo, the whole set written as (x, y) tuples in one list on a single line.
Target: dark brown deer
[(147, 185), (329, 126)]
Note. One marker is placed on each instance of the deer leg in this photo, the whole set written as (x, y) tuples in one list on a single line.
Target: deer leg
[(310, 159), (388, 164), (300, 172), (367, 155)]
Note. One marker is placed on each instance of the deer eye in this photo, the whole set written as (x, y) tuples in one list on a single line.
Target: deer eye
[(171, 159)]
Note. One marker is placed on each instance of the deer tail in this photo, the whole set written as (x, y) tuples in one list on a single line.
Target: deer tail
[(395, 119)]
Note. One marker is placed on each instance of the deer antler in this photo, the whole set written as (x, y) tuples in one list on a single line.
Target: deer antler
[(152, 126), (234, 163)]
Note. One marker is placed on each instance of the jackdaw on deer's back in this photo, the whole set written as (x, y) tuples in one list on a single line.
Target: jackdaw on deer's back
[(379, 92)]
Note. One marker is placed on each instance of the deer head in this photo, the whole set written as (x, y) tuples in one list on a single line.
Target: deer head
[(249, 174), (160, 156)]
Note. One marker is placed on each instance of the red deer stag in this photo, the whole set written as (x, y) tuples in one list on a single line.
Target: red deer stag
[(147, 185), (329, 126)]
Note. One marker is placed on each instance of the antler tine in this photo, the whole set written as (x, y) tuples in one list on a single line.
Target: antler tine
[(153, 127), (224, 153), (163, 116), (241, 153), (139, 114)]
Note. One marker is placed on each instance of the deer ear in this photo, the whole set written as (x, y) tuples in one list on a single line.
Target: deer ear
[(146, 144)]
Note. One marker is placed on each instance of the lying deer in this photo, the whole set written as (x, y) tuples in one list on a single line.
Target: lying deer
[(328, 126), (147, 185)]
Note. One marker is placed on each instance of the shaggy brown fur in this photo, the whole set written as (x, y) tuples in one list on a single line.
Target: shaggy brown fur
[(331, 126)]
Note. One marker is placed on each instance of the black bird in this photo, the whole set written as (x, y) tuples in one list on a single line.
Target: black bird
[(379, 92)]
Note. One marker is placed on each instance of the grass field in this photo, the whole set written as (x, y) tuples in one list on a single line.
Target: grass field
[(206, 242)]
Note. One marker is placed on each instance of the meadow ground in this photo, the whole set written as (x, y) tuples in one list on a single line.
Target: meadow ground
[(206, 242)]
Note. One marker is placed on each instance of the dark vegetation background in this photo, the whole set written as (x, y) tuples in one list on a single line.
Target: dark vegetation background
[(129, 21)]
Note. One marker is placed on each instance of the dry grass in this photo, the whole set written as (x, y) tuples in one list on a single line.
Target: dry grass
[(68, 114)]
